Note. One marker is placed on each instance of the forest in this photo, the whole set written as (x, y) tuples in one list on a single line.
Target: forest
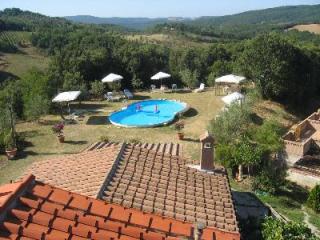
[(284, 65)]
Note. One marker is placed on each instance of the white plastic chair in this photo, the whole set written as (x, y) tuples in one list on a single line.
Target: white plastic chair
[(201, 88)]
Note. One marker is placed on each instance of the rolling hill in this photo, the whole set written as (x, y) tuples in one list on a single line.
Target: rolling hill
[(289, 15), (133, 23)]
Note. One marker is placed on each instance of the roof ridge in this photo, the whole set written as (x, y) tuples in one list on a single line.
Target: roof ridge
[(13, 195), (112, 171)]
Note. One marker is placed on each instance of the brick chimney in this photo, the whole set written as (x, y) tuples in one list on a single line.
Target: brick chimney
[(207, 152)]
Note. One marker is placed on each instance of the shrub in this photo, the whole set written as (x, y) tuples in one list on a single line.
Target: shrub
[(137, 83), (274, 229), (58, 129), (97, 89), (211, 81), (270, 179), (104, 139), (313, 201), (189, 78)]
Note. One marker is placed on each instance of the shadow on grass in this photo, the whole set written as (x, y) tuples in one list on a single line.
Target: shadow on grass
[(88, 106), (98, 120), (256, 119), (6, 76), (48, 122), (76, 142), (192, 112), (30, 134), (294, 192), (24, 154), (141, 97), (191, 140)]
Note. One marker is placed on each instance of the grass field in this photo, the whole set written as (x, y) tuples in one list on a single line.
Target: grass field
[(17, 64), (15, 37), (171, 40), (313, 28), (42, 144)]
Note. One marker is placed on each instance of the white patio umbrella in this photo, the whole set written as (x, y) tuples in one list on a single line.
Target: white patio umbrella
[(111, 78), (160, 76), (233, 79), (233, 97), (66, 97)]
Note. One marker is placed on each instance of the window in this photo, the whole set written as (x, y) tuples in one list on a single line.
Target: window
[(207, 145)]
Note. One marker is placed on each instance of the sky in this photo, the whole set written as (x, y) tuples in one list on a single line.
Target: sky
[(146, 8)]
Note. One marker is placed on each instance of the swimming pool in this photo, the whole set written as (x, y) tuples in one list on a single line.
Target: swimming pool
[(149, 113)]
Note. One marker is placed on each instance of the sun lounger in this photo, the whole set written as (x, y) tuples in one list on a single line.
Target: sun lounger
[(128, 94), (200, 89), (110, 97), (174, 87), (153, 87)]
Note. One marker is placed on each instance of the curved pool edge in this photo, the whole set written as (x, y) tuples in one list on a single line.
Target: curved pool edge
[(187, 107)]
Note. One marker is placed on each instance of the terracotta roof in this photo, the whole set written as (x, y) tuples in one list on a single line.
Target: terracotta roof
[(161, 183), (82, 173), (168, 148), (206, 136), (37, 211)]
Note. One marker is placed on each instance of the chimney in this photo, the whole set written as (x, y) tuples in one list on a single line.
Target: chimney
[(207, 152)]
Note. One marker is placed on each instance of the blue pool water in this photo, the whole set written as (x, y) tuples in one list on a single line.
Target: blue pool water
[(148, 113)]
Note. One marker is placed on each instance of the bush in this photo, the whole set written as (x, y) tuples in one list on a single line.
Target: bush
[(189, 78), (313, 201), (211, 81), (270, 179), (97, 89), (104, 139), (274, 229), (137, 83)]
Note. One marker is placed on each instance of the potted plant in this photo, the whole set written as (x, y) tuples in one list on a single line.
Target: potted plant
[(58, 129), (179, 127), (11, 146)]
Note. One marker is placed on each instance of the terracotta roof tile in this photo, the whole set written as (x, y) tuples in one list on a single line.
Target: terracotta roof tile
[(168, 148), (82, 173), (162, 184), (37, 211)]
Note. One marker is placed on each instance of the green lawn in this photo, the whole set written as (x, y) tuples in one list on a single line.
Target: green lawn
[(18, 64), (40, 143), (287, 202)]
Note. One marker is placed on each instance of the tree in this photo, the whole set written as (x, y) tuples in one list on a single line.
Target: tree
[(8, 116), (35, 95), (220, 68), (232, 124), (72, 81), (189, 78), (211, 80), (247, 154), (243, 153), (97, 89), (282, 71), (136, 82), (274, 229), (268, 136), (313, 201)]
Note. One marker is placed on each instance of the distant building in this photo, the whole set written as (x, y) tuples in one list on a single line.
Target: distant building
[(302, 145)]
